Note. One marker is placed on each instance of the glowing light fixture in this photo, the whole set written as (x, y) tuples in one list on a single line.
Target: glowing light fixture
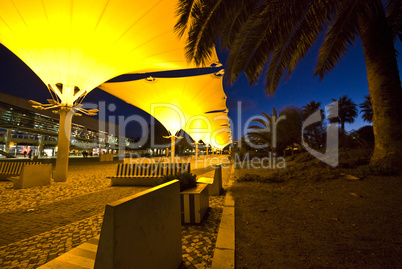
[(172, 101), (73, 46)]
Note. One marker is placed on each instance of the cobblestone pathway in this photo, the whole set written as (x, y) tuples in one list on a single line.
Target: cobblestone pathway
[(17, 225), (30, 238)]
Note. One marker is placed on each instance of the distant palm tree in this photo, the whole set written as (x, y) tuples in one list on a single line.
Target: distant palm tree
[(366, 109), (347, 111), (278, 34), (262, 134), (275, 131), (314, 133), (310, 108)]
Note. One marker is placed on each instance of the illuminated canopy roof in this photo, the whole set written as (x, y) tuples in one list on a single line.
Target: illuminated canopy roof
[(220, 138), (81, 44), (212, 128), (172, 101)]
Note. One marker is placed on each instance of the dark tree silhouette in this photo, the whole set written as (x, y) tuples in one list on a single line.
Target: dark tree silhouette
[(278, 34), (367, 109), (347, 111), (275, 131), (315, 133)]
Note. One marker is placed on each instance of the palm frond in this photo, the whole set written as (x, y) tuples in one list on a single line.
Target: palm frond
[(317, 16), (209, 19), (293, 30), (265, 114), (256, 127), (367, 109), (238, 17), (251, 48), (260, 136), (183, 11), (262, 122), (341, 34), (394, 18), (306, 26)]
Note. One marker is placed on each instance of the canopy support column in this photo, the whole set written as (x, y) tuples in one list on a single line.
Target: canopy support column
[(172, 146), (63, 143)]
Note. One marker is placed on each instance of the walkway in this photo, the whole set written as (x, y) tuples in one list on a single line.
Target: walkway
[(32, 235)]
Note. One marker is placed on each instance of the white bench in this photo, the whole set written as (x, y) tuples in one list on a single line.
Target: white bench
[(32, 176), (146, 174)]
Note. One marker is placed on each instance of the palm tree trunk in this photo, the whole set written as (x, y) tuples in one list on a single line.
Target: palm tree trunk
[(384, 87), (343, 128)]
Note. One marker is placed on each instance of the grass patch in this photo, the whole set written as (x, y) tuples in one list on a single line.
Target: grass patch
[(313, 170), (352, 158), (319, 224), (376, 170)]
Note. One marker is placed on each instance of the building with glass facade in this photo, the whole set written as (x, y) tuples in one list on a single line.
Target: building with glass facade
[(24, 129)]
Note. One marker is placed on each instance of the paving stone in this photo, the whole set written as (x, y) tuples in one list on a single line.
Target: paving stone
[(29, 240)]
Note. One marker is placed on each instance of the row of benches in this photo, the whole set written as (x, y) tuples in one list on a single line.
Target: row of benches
[(148, 174), (26, 174), (9, 169)]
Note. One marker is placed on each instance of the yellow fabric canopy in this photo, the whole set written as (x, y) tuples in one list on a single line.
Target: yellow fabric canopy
[(172, 101), (212, 128), (221, 138), (201, 126), (85, 43)]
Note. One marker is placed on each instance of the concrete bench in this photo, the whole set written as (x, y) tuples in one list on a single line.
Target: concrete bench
[(13, 168), (143, 160), (194, 204), (140, 231), (214, 184), (32, 176), (145, 174), (106, 157)]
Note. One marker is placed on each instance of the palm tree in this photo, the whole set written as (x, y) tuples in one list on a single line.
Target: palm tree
[(315, 132), (366, 109), (279, 34), (275, 131), (310, 108), (261, 135), (346, 110)]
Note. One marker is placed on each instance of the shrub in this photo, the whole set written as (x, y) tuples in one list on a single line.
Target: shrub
[(351, 158), (187, 180), (376, 170), (308, 171), (304, 157), (259, 178)]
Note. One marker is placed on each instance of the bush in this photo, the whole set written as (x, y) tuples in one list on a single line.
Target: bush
[(308, 171), (304, 157), (259, 178), (351, 158), (376, 170), (187, 180)]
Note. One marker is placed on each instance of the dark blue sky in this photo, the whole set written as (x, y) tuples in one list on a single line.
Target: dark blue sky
[(349, 78)]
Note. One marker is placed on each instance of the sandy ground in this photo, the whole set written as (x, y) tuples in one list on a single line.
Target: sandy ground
[(337, 223), (81, 179)]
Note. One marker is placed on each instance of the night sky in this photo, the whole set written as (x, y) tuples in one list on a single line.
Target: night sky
[(349, 78)]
